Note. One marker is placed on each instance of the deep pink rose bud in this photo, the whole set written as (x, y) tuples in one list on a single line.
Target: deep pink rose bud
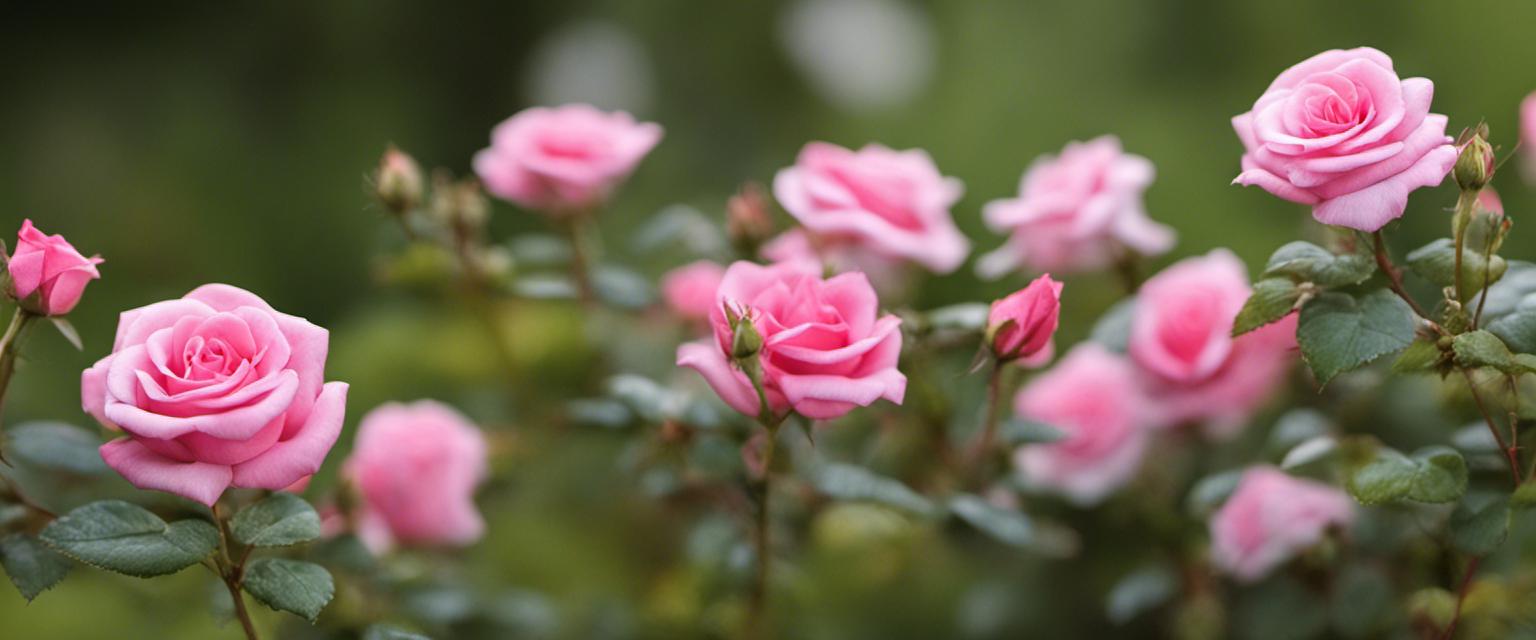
[(47, 274), (563, 159), (1020, 326), (415, 468), (215, 390), (1342, 132), (1270, 518), (823, 346), (689, 290)]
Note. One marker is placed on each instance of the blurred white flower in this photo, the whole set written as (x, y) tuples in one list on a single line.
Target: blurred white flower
[(860, 54), (595, 62)]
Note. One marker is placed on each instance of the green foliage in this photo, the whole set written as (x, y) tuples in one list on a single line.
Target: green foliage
[(1209, 492), (1484, 349), (1479, 526), (1339, 332), (1272, 299), (1020, 431), (301, 588), (55, 446), (390, 632), (1436, 262), (1141, 591), (118, 536), (849, 482), (1313, 450), (1307, 262), (278, 520), (1423, 354), (1012, 527), (31, 565), (1433, 474)]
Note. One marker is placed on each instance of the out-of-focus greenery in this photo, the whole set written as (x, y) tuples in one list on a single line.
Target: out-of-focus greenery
[(198, 142)]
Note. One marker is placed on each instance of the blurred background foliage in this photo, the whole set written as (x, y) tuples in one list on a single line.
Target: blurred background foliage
[(197, 142)]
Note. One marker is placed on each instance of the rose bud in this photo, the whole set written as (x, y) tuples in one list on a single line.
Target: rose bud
[(1341, 132), (1474, 167), (415, 468), (215, 390), (563, 159), (748, 222), (1020, 326), (1272, 517), (398, 182), (48, 275)]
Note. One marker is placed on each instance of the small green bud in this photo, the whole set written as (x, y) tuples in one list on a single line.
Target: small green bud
[(745, 340), (397, 182), (1474, 167)]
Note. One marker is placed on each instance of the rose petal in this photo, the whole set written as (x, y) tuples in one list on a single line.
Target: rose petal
[(302, 454), (145, 469)]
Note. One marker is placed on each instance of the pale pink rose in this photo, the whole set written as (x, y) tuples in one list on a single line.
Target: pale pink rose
[(893, 204), (1341, 132), (1078, 211), (1270, 518), (415, 468), (49, 268), (1528, 135), (826, 349), (1181, 338), (215, 389), (1021, 325), (562, 159), (689, 290), (1092, 395)]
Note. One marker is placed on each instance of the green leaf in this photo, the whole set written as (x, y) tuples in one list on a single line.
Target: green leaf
[(1307, 262), (1019, 431), (849, 482), (32, 566), (1209, 492), (302, 588), (1478, 527), (278, 520), (391, 632), (1434, 474), (1483, 349), (1312, 450), (970, 316), (1517, 329), (1524, 496), (1420, 355), (1272, 299), (1012, 527), (68, 331), (57, 446), (1361, 601), (1338, 332), (1436, 262), (118, 536), (1141, 591), (1113, 329)]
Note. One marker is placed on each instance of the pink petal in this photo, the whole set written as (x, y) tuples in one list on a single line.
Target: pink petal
[(302, 454), (145, 469)]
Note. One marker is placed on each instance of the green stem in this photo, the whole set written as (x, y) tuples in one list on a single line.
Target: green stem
[(1514, 463), (1394, 277), (1466, 205), (1482, 298), (757, 604), (575, 226), (10, 347), (1461, 596), (981, 447), (231, 572)]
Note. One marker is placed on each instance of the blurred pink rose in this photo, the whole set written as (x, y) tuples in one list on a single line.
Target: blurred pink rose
[(1181, 338), (1489, 201), (215, 389), (1078, 211), (1022, 324), (1341, 132), (564, 158), (893, 204), (415, 467), (1528, 135), (1272, 517), (825, 348), (1092, 395), (690, 289), (51, 268)]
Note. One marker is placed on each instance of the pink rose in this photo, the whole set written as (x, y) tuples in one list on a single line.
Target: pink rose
[(1528, 134), (825, 348), (1076, 212), (215, 389), (893, 204), (1092, 395), (1181, 338), (1272, 517), (1021, 325), (563, 158), (1341, 132), (415, 467), (51, 268), (690, 289)]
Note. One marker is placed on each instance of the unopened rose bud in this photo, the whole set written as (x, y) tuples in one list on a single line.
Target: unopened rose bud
[(46, 274), (460, 204), (1474, 167), (748, 222), (1021, 325), (745, 339), (398, 182)]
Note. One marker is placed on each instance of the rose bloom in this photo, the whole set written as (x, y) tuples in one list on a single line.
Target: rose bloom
[(213, 390), (1021, 325), (1093, 396), (893, 204), (1272, 517), (825, 348), (50, 268), (415, 468), (689, 290), (1181, 338), (1341, 132), (565, 158), (1078, 211)]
